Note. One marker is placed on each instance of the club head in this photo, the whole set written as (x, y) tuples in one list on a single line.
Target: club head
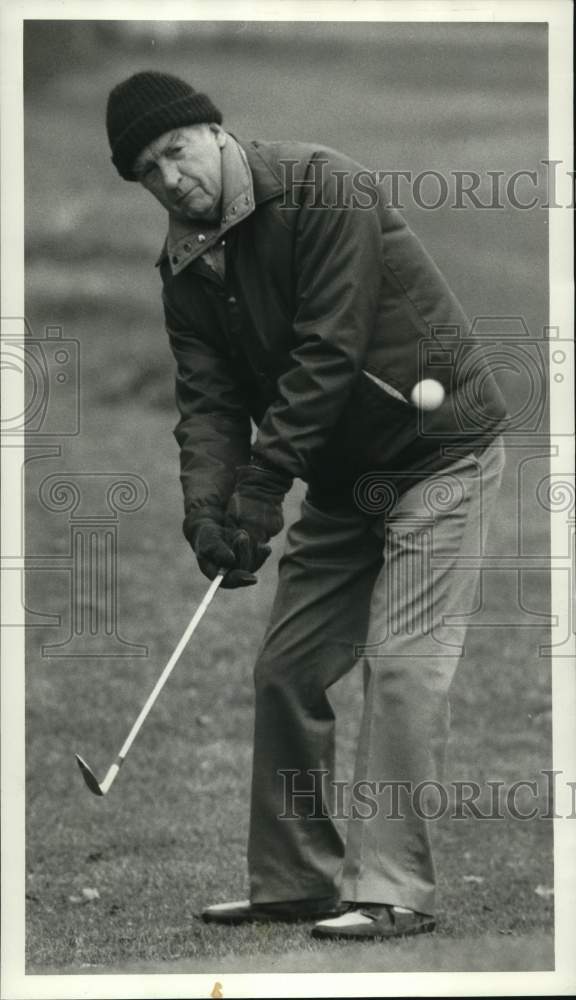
[(89, 776)]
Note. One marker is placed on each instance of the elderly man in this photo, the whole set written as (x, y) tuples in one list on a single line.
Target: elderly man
[(295, 298)]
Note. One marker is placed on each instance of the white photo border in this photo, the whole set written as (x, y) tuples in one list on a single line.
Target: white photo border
[(15, 983)]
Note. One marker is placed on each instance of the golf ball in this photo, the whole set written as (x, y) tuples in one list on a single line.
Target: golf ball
[(427, 394)]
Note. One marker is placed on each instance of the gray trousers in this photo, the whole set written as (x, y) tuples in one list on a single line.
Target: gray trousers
[(384, 591)]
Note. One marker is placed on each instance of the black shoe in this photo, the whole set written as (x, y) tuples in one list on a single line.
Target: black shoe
[(243, 911), (374, 920)]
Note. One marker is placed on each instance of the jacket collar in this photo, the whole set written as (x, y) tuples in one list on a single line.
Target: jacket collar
[(266, 175), (249, 177)]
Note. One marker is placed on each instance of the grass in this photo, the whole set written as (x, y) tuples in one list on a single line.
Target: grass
[(171, 836), (531, 952)]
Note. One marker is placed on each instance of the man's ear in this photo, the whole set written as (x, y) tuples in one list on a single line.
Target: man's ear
[(219, 133)]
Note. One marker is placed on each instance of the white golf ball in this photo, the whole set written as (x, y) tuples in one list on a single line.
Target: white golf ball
[(428, 394)]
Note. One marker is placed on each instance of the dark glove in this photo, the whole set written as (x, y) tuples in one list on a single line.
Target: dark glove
[(254, 513), (212, 544)]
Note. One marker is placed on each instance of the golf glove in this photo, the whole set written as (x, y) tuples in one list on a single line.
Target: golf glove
[(213, 546), (254, 513)]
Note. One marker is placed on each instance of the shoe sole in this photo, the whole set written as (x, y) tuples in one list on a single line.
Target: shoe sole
[(366, 932)]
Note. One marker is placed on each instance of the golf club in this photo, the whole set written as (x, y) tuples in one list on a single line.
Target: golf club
[(101, 788)]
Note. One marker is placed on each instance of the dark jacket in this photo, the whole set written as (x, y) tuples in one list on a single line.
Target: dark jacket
[(323, 284)]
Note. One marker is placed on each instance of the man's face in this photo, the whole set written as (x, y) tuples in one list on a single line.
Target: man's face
[(183, 170)]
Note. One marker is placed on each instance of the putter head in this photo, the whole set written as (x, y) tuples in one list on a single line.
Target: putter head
[(89, 776)]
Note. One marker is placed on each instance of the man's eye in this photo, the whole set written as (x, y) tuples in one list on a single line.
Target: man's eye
[(175, 150)]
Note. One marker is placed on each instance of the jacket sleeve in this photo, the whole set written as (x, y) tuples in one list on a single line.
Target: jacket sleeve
[(338, 277), (214, 428)]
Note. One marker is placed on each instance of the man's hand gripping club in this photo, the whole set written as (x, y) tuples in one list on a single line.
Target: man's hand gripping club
[(237, 540)]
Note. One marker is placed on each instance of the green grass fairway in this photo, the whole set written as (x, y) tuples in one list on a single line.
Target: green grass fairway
[(170, 837)]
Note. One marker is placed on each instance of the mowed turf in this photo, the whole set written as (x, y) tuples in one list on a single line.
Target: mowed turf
[(171, 835), (477, 953)]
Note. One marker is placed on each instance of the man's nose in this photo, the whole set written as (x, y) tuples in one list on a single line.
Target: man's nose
[(170, 175)]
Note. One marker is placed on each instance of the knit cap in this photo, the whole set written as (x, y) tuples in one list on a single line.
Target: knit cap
[(145, 106)]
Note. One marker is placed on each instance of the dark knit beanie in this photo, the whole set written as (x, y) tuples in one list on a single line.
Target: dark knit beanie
[(145, 106)]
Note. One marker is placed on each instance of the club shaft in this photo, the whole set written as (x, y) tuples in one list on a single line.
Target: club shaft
[(195, 620)]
